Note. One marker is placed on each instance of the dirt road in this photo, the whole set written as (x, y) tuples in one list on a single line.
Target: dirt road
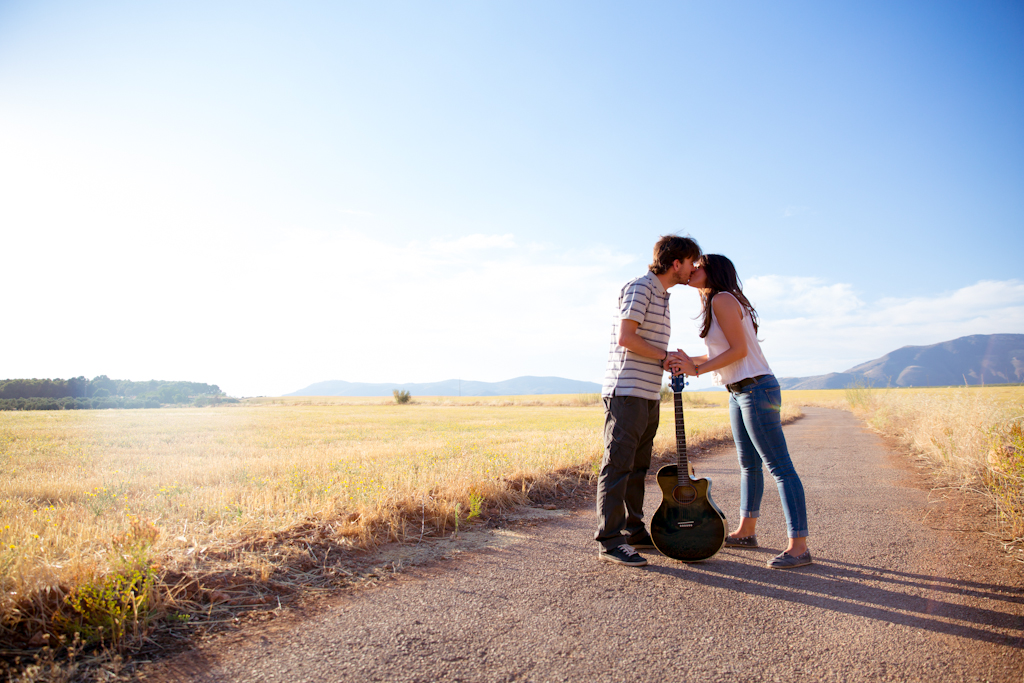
[(901, 590)]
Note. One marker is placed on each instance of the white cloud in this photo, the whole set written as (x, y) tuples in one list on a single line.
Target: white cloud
[(803, 295), (810, 327), (460, 247), (270, 316), (791, 211), (122, 266), (138, 269)]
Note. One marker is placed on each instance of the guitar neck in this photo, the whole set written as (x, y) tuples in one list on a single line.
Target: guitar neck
[(682, 461)]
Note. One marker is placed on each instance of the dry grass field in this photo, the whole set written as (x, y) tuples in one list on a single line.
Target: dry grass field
[(971, 436), (112, 519), (104, 509)]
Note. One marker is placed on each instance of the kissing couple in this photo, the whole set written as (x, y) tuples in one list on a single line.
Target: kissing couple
[(638, 357)]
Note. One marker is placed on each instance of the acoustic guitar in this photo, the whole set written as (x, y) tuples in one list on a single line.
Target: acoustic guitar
[(688, 526)]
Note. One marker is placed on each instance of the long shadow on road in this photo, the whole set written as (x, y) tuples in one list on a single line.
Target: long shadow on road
[(840, 586)]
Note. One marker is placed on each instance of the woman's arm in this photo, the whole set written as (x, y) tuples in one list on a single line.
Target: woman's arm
[(686, 356), (679, 361), (729, 315)]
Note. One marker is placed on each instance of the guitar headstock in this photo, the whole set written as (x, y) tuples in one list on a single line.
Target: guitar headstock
[(679, 382)]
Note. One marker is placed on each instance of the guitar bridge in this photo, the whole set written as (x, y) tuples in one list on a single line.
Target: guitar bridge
[(685, 524)]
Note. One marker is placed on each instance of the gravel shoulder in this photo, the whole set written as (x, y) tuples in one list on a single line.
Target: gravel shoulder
[(906, 585)]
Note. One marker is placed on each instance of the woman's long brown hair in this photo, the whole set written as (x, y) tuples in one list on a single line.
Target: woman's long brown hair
[(721, 277)]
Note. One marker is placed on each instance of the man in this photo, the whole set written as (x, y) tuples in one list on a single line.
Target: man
[(632, 399)]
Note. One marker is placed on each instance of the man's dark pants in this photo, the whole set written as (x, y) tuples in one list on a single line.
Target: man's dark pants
[(630, 424)]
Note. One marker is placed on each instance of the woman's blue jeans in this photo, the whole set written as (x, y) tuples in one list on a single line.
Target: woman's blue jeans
[(755, 413)]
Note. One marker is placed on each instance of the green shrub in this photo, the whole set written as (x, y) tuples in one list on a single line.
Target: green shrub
[(860, 395), (401, 396), (117, 607)]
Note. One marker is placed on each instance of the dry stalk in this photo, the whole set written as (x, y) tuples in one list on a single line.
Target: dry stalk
[(970, 436)]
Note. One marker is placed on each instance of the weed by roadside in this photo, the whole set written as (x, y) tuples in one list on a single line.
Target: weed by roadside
[(587, 400), (971, 437), (1006, 473), (696, 399)]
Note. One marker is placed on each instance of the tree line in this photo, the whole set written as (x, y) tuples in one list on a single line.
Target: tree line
[(102, 392)]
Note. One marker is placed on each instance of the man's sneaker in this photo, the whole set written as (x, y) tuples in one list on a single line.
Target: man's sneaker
[(641, 541), (624, 554)]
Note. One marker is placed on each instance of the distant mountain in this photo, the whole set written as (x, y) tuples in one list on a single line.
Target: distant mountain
[(977, 359), (520, 386)]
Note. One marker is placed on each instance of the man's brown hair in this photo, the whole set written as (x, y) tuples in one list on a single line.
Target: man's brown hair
[(672, 247)]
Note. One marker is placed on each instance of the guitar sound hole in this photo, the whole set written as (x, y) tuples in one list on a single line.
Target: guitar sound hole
[(684, 495)]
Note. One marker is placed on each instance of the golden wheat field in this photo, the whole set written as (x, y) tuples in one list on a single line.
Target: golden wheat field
[(99, 506), (77, 487)]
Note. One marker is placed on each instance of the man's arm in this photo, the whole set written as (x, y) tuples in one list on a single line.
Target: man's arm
[(629, 339)]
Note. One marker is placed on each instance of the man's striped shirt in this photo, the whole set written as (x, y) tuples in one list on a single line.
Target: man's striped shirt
[(628, 374)]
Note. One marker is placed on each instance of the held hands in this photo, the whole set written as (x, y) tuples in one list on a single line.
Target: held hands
[(677, 362)]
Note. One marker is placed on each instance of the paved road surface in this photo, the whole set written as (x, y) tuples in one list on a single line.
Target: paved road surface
[(892, 596)]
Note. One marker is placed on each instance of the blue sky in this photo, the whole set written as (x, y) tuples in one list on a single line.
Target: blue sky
[(265, 195)]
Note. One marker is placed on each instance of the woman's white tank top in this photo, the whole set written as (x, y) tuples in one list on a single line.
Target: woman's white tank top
[(751, 365)]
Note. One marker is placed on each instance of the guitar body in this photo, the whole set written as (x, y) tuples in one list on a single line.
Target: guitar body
[(688, 526)]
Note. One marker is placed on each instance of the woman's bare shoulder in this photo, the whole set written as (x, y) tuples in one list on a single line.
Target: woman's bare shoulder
[(725, 299), (725, 303)]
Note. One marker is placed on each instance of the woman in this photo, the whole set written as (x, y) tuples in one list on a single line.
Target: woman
[(734, 357)]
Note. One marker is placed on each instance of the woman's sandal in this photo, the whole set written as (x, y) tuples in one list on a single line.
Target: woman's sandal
[(741, 542), (787, 561)]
